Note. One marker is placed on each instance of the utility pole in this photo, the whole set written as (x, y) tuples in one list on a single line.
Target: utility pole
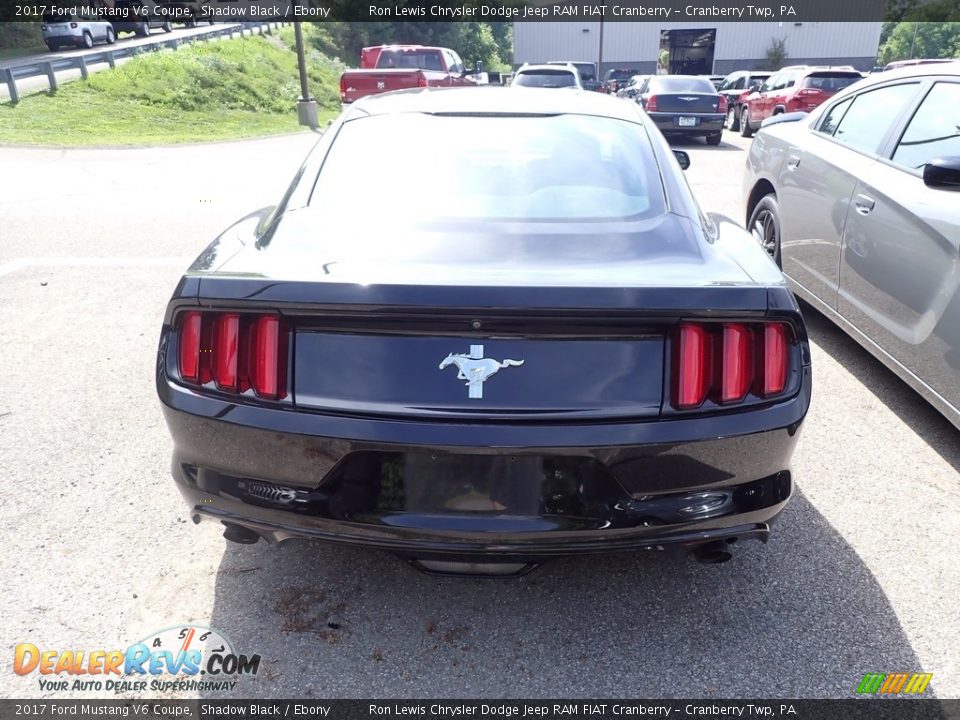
[(306, 105), (600, 58)]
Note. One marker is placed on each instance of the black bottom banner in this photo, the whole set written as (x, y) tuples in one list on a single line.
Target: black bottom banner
[(857, 709)]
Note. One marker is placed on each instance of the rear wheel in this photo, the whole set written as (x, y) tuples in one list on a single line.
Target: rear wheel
[(87, 40), (732, 121), (714, 139), (143, 30), (53, 45), (167, 26), (111, 36), (745, 129), (764, 225)]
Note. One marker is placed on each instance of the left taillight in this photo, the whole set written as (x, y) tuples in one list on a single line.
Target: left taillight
[(722, 105), (234, 352), (727, 363)]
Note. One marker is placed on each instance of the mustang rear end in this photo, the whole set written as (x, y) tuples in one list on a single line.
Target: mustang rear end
[(545, 360)]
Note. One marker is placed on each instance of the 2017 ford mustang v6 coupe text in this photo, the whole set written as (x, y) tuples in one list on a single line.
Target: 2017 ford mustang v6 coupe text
[(518, 338)]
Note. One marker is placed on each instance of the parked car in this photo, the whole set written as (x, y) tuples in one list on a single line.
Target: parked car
[(588, 73), (548, 76), (618, 77), (716, 80), (799, 88), (897, 64), (860, 204), (471, 375), (397, 67), (684, 105), (735, 88), (77, 30), (632, 89)]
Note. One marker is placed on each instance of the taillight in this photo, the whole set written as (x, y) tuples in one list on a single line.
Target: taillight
[(809, 91), (421, 80), (693, 366), (727, 362), (343, 87), (775, 359), (235, 352), (652, 103), (722, 105), (736, 368), (190, 346), (226, 346)]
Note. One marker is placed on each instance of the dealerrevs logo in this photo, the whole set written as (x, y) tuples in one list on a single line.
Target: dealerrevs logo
[(185, 658)]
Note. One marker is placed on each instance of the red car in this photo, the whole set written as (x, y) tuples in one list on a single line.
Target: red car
[(798, 88)]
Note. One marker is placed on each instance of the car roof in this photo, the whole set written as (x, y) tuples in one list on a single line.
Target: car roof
[(552, 68), (910, 71), (498, 101)]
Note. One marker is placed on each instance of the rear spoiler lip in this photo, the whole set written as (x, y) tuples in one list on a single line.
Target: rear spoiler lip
[(784, 117)]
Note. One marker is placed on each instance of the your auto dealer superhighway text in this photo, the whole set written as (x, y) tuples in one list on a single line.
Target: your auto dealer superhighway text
[(588, 710)]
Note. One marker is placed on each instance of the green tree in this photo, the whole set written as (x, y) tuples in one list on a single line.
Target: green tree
[(776, 55), (908, 40)]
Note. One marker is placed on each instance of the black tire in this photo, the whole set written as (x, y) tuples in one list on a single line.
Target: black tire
[(143, 30), (732, 121), (745, 129), (191, 23), (87, 40), (764, 225), (53, 46), (714, 139), (111, 36), (167, 27)]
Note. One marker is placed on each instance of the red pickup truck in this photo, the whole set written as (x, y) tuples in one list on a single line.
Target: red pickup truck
[(394, 67)]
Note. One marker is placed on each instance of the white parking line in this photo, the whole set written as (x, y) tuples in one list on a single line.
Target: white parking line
[(109, 262)]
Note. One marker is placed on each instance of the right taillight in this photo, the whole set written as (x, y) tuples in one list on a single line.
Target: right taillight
[(234, 352), (652, 103), (729, 362)]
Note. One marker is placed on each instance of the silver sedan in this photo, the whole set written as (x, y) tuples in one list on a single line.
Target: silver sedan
[(859, 203)]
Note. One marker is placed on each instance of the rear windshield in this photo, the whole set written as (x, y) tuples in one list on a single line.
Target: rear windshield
[(424, 60), (545, 79), (682, 84), (831, 81), (557, 167)]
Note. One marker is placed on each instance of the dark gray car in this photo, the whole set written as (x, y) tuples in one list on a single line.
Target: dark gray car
[(859, 202)]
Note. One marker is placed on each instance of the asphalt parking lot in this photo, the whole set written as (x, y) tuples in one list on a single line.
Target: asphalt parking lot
[(98, 552)]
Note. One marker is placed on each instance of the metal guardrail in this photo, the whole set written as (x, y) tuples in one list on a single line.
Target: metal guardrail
[(50, 68)]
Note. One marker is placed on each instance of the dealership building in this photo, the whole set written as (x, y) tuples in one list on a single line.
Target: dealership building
[(696, 48)]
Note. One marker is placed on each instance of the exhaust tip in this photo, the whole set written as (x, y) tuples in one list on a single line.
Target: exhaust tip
[(240, 534), (713, 553)]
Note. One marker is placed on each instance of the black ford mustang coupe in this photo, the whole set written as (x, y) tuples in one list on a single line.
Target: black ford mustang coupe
[(484, 328)]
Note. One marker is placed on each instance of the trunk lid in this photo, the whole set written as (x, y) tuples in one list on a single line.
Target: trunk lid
[(356, 84), (693, 103)]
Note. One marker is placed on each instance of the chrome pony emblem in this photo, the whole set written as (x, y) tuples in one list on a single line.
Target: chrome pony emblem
[(475, 368)]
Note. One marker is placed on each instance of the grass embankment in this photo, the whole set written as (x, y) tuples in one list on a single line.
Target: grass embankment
[(20, 38), (219, 90)]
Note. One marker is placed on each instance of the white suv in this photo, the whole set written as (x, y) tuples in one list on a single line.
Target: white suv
[(548, 76), (75, 30)]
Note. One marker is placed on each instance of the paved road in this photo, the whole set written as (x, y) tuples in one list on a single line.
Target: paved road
[(98, 551)]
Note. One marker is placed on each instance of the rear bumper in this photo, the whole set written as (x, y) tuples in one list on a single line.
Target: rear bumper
[(569, 489), (669, 123)]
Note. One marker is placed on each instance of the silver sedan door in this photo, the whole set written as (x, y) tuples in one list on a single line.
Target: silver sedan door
[(900, 268)]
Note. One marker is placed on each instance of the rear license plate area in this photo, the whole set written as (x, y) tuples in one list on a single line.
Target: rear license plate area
[(683, 121)]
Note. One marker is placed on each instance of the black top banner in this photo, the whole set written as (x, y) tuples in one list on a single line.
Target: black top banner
[(858, 709), (711, 11)]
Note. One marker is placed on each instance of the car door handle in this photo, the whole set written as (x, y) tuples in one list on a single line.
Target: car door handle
[(793, 162), (864, 204)]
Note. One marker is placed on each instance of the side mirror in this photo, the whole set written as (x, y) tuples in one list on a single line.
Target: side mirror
[(943, 173), (683, 158)]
